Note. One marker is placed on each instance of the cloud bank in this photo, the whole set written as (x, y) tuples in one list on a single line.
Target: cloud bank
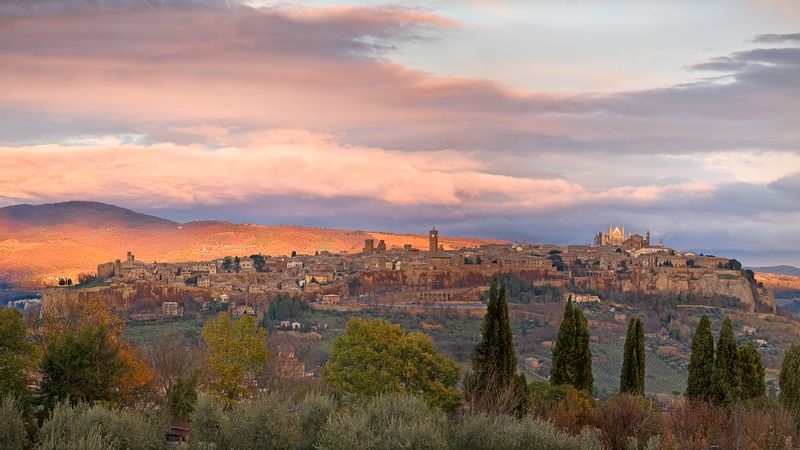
[(183, 106)]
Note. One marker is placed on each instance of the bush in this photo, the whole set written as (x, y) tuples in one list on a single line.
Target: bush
[(386, 422), (313, 413), (627, 420), (82, 426), (208, 423), (566, 406), (503, 432), (761, 428), (12, 424), (262, 423), (751, 425), (692, 425)]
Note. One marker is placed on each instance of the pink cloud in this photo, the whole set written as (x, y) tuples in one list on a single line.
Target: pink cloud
[(285, 162)]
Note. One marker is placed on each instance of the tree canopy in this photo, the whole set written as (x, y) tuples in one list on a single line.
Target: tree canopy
[(726, 379), (790, 377), (701, 363), (82, 366), (572, 356), (376, 356), (494, 359), (17, 355), (752, 372), (633, 363), (237, 354)]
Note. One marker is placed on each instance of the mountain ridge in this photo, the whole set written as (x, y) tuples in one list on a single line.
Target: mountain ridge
[(41, 243)]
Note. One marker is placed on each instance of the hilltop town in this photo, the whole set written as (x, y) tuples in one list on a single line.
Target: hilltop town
[(616, 265)]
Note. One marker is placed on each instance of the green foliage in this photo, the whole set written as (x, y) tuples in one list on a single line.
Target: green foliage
[(503, 432), (790, 378), (375, 356), (494, 360), (183, 397), (262, 423), (258, 262), (726, 379), (734, 265), (752, 372), (572, 356), (12, 424), (283, 307), (82, 366), (209, 422), (16, 354), (84, 427), (701, 363), (633, 363), (237, 355), (227, 264), (313, 414), (521, 291), (386, 422)]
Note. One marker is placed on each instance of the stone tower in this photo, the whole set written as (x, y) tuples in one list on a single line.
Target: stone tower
[(433, 240)]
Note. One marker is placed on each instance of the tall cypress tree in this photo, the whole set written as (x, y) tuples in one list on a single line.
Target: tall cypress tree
[(494, 359), (572, 355), (752, 372), (790, 378), (701, 364), (583, 356), (726, 379), (631, 378), (562, 370)]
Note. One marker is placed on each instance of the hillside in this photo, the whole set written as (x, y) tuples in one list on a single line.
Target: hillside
[(783, 286), (39, 243), (778, 270)]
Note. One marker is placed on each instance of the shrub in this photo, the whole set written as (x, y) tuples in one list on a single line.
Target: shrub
[(575, 411), (761, 428), (208, 423), (503, 432), (627, 420), (82, 426), (262, 423), (693, 424), (386, 422), (12, 424), (313, 413)]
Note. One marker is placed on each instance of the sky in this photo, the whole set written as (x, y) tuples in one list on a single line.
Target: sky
[(540, 121)]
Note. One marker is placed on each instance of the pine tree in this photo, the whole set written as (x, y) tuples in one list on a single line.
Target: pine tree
[(790, 378), (562, 369), (572, 355), (701, 364), (494, 359), (632, 376), (726, 379), (752, 372)]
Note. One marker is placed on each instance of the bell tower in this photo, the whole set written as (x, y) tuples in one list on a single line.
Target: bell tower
[(433, 240)]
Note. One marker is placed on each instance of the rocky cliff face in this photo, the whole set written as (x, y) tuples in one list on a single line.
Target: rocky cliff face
[(700, 283)]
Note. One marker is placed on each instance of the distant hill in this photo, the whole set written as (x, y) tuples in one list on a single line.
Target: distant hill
[(83, 213), (778, 270), (39, 243)]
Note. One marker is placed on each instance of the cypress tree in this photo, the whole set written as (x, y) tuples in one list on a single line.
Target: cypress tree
[(790, 378), (494, 359), (726, 378), (561, 368), (572, 355), (631, 378), (701, 364), (752, 372)]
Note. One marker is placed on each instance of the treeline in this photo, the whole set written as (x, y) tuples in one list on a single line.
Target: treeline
[(382, 387)]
